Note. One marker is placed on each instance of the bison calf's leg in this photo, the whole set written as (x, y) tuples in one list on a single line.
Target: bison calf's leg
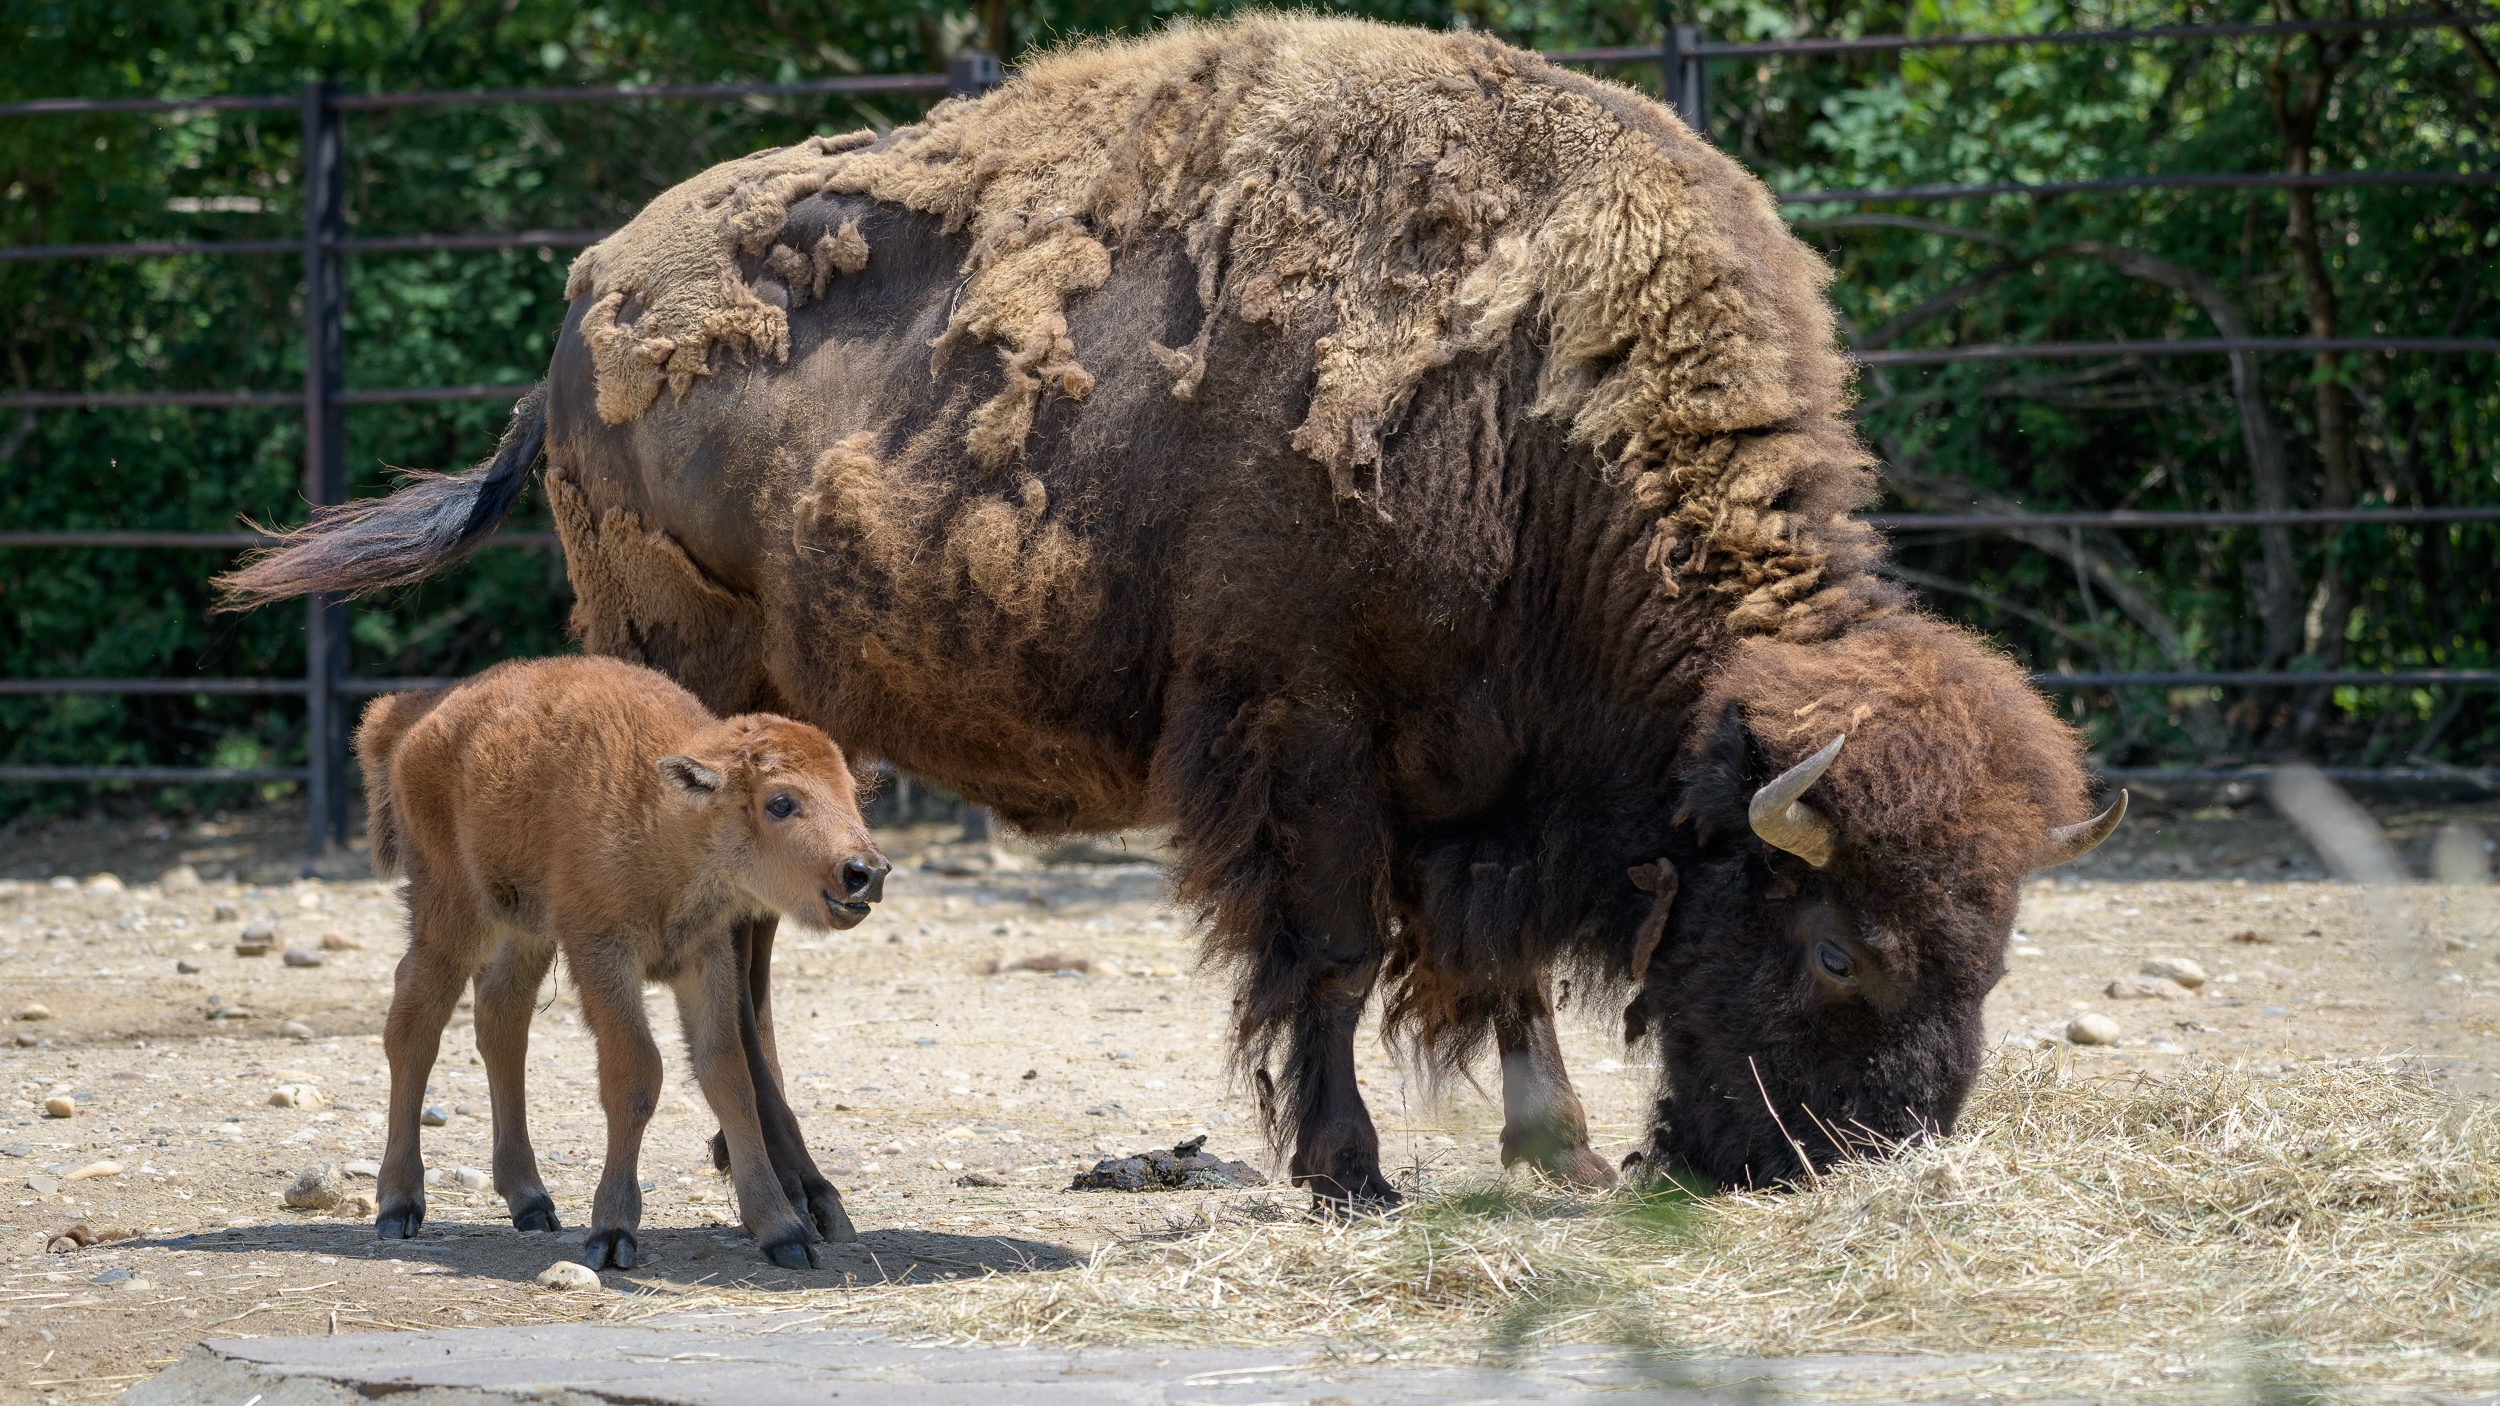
[(442, 945), (711, 998), (507, 995), (629, 1092), (1542, 1122), (801, 1183)]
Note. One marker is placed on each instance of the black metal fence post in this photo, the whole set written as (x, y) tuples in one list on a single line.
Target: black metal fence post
[(1684, 74), (325, 457), (973, 72)]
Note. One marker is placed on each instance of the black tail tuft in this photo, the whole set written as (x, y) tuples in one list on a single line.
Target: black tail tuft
[(431, 522)]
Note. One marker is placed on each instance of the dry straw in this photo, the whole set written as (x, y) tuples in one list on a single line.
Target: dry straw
[(2338, 1223)]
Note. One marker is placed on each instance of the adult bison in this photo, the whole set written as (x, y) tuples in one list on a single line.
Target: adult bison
[(1412, 472)]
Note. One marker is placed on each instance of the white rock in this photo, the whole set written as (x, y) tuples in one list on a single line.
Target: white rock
[(107, 1168), (295, 1030), (362, 1169), (308, 900), (304, 1096), (316, 1188), (302, 957), (182, 878), (2090, 1029), (34, 1010), (359, 1206), (568, 1277), (2179, 969), (434, 1176), (60, 1106), (471, 1179), (2146, 988), (104, 883)]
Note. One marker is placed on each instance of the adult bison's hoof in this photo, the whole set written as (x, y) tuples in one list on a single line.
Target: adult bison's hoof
[(399, 1222), (792, 1252), (1366, 1195), (610, 1249), (536, 1215)]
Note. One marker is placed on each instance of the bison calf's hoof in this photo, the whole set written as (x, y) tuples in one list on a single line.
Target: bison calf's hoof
[(398, 1222), (534, 1217), (824, 1207), (792, 1252), (609, 1249)]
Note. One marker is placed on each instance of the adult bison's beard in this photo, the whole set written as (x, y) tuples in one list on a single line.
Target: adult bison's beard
[(1753, 1119)]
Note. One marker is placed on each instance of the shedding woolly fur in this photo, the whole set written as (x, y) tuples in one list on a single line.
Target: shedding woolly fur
[(1403, 197)]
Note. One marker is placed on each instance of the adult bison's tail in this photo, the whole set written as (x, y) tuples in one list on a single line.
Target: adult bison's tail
[(431, 522)]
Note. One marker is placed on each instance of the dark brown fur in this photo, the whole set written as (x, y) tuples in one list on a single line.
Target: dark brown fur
[(593, 808)]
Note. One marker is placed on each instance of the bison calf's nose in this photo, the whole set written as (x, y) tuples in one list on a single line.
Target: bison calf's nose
[(863, 878)]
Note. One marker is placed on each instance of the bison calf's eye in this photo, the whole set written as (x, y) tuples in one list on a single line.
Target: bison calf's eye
[(1833, 961), (781, 807)]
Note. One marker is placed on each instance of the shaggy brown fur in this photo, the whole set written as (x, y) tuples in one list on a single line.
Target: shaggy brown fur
[(1411, 472), (594, 808)]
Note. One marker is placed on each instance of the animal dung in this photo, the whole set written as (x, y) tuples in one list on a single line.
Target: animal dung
[(1187, 1167), (2252, 937)]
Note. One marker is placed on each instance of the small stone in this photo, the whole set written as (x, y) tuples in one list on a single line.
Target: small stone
[(186, 966), (361, 1168), (474, 1110), (106, 1168), (2146, 988), (295, 1030), (433, 1116), (134, 1285), (106, 884), (60, 1106), (18, 1149), (257, 939), (43, 1184), (471, 1179), (34, 1010), (302, 957), (1032, 1074), (28, 1040), (568, 1277), (335, 941), (2092, 1030), (359, 1206), (222, 912), (316, 1188), (979, 1179), (182, 878), (2179, 969), (304, 1096), (309, 899)]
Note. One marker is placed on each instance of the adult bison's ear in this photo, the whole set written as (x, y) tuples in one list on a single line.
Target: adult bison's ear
[(2068, 843), (692, 778)]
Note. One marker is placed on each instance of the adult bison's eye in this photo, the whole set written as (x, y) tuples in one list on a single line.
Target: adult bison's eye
[(781, 807), (1833, 961)]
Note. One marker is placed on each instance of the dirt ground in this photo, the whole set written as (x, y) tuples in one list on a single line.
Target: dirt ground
[(914, 1066)]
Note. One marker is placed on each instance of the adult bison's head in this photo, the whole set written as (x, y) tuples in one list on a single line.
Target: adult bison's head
[(1856, 820)]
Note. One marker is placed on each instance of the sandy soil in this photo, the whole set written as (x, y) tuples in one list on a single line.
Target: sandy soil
[(913, 1066)]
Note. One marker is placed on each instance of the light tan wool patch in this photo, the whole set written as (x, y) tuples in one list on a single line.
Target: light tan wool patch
[(1409, 196)]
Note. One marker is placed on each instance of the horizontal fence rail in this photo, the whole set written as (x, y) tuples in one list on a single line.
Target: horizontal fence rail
[(1683, 55)]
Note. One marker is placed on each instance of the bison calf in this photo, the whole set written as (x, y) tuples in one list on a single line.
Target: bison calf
[(593, 807)]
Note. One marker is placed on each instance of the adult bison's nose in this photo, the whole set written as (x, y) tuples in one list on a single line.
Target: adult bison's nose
[(863, 878)]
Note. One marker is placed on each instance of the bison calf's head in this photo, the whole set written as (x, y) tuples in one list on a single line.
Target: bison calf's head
[(1836, 904), (784, 811)]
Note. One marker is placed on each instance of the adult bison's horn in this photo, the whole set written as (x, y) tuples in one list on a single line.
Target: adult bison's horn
[(2068, 843), (1785, 822)]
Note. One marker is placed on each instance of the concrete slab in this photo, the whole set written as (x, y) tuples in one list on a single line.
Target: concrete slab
[(786, 1359)]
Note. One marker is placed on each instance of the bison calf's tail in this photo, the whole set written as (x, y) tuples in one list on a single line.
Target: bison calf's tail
[(431, 522)]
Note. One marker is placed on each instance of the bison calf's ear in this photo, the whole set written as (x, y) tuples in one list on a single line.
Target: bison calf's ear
[(698, 781)]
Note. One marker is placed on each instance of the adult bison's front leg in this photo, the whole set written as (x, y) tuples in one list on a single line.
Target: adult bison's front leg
[(1542, 1122)]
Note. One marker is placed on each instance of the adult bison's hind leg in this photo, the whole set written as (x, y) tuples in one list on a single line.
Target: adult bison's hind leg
[(1542, 1121)]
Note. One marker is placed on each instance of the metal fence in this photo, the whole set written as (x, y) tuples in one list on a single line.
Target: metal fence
[(1683, 58)]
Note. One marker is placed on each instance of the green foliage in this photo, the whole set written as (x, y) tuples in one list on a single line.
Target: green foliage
[(2124, 431)]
